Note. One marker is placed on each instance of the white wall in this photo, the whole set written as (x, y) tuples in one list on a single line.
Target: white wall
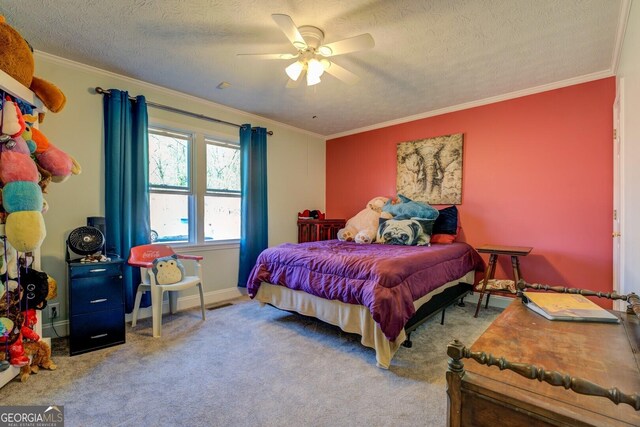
[(296, 168), (629, 69)]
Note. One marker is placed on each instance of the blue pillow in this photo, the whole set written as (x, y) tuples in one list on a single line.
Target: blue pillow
[(447, 221), (410, 208)]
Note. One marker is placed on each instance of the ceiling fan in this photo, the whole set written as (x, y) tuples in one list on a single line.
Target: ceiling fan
[(311, 57)]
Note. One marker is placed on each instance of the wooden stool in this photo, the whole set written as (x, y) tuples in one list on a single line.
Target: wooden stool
[(494, 251)]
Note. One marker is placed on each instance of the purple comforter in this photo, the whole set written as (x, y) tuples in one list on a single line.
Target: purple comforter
[(384, 278)]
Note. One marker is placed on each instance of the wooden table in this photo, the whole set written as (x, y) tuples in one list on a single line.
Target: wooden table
[(605, 354), (494, 251)]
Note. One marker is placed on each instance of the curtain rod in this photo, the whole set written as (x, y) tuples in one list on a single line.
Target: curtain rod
[(179, 111)]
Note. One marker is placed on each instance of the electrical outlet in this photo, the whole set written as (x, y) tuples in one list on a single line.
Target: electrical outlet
[(54, 310)]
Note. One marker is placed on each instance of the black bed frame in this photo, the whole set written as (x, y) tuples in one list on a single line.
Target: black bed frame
[(437, 303)]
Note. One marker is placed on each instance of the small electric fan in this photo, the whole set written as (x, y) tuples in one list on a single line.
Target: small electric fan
[(85, 240)]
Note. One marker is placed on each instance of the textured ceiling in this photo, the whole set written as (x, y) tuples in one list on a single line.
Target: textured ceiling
[(429, 54)]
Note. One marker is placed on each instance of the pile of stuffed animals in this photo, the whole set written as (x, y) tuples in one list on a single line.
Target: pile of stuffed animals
[(27, 292), (411, 222), (28, 163)]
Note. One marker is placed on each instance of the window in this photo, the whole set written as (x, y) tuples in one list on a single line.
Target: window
[(192, 201), (222, 199)]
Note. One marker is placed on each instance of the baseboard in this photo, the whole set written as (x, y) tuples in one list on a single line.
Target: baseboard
[(56, 329), (497, 301), (214, 297)]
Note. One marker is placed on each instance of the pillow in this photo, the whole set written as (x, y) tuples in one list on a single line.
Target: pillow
[(167, 270), (404, 206), (447, 225), (405, 231), (443, 238), (447, 221)]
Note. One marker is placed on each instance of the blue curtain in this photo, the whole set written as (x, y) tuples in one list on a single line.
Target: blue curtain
[(126, 181), (253, 207)]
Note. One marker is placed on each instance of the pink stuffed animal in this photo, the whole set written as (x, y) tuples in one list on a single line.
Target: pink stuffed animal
[(362, 228)]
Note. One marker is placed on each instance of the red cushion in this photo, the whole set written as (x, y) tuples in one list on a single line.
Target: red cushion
[(443, 238)]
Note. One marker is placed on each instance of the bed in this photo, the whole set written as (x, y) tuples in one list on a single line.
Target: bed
[(380, 292)]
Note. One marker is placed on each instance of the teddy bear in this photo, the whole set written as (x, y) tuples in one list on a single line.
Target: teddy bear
[(405, 207), (16, 59), (40, 353), (362, 228)]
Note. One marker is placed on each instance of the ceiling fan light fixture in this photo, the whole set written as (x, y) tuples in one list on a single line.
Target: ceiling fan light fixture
[(325, 51), (312, 79), (315, 68), (325, 64), (311, 54), (294, 70), (299, 45)]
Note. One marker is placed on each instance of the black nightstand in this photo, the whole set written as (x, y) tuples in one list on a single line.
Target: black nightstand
[(96, 305)]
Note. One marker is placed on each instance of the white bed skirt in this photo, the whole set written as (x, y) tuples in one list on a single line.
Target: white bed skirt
[(350, 318)]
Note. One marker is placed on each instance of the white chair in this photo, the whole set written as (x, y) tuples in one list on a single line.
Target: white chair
[(143, 257)]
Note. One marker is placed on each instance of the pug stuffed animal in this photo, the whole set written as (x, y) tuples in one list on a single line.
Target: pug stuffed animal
[(362, 227), (405, 231)]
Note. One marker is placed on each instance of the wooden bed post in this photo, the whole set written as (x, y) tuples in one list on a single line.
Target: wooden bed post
[(455, 373)]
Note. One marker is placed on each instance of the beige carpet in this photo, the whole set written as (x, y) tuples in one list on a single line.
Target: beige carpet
[(251, 366)]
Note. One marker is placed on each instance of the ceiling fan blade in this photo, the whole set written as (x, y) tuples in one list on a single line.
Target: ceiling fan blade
[(290, 30), (353, 44), (342, 73), (292, 84), (270, 55)]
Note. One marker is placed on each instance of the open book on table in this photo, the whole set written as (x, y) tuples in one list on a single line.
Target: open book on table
[(567, 307)]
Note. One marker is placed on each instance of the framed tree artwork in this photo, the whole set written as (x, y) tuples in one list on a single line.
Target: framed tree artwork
[(430, 170)]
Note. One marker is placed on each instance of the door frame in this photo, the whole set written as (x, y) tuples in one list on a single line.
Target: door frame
[(618, 195)]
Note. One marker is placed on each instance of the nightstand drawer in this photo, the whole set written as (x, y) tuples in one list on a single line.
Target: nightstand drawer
[(93, 331), (94, 269), (91, 294)]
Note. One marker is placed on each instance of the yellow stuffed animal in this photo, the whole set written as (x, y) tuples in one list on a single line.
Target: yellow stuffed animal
[(16, 59)]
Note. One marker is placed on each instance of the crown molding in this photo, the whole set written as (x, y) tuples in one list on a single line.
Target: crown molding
[(170, 92), (467, 105), (623, 19)]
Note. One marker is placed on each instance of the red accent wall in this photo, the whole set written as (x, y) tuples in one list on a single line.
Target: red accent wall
[(537, 171)]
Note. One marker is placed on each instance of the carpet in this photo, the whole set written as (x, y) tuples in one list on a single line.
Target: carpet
[(248, 365)]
